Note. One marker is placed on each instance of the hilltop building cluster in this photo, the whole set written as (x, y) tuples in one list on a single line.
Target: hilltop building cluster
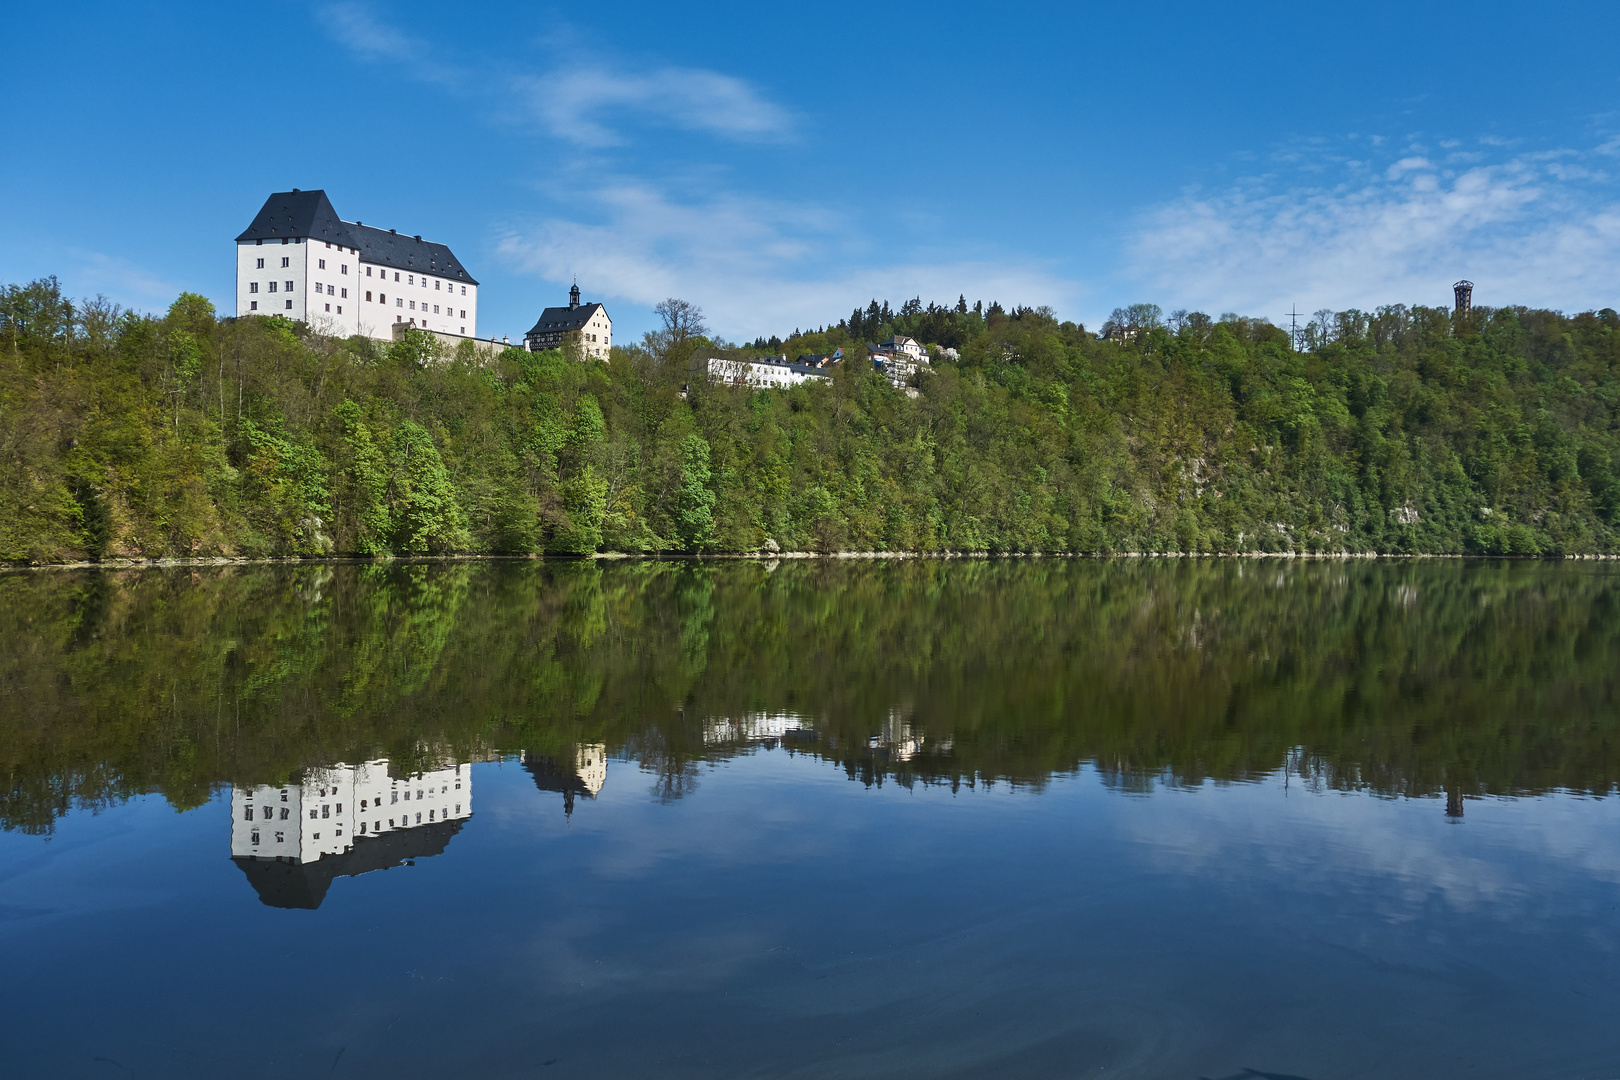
[(299, 259)]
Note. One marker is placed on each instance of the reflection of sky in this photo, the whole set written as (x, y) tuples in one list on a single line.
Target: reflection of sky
[(785, 921)]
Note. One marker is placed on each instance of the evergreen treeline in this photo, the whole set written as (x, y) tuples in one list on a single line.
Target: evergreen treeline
[(1402, 678), (1403, 430)]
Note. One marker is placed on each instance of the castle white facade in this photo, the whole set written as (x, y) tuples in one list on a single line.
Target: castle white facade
[(332, 808), (300, 260)]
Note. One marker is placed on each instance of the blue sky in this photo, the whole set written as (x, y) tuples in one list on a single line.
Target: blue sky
[(777, 166)]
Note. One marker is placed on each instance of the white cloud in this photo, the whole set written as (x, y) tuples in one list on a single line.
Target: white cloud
[(119, 279), (755, 266), (579, 104), (576, 104), (1536, 229), (354, 25)]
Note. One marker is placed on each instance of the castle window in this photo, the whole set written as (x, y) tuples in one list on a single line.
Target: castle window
[(253, 286), (396, 275), (463, 313), (247, 814), (340, 309), (285, 262), (255, 836), (259, 242), (253, 305), (368, 297), (368, 271), (464, 290), (344, 293), (398, 302), (328, 307), (272, 286), (281, 838), (260, 266), (362, 828), (436, 285), (410, 279), (344, 268), (283, 809), (321, 262), (435, 309), (413, 305), (289, 286), (284, 241), (312, 813)]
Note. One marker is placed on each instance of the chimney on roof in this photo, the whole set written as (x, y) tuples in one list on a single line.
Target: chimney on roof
[(295, 191), (573, 297), (419, 236), (392, 232)]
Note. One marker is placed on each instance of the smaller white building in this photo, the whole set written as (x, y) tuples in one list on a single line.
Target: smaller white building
[(773, 372)]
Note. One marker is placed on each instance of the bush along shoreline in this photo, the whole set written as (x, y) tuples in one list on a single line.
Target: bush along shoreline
[(127, 439)]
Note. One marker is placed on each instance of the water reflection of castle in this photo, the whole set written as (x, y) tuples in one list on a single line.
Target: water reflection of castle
[(577, 770), (343, 821)]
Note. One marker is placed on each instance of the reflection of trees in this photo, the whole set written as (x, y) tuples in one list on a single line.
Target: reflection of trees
[(1400, 677)]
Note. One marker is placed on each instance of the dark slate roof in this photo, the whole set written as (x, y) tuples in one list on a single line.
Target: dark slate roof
[(388, 248), (298, 213), (303, 885), (309, 214), (555, 320)]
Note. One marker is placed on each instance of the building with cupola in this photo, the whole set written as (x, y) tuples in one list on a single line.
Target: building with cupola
[(300, 260), (589, 321)]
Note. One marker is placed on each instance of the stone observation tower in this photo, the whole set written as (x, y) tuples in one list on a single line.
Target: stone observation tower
[(1465, 297)]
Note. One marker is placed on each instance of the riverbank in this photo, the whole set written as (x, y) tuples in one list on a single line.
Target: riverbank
[(768, 557)]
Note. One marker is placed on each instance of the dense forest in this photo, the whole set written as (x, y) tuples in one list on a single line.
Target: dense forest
[(1405, 678), (1405, 430)]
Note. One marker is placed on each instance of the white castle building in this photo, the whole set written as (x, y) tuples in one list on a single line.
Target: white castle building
[(342, 821), (300, 260)]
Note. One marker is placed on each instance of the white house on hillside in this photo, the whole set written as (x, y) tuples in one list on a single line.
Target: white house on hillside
[(900, 359), (767, 372), (300, 260)]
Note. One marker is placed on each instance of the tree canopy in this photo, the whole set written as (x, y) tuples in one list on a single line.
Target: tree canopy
[(1404, 430)]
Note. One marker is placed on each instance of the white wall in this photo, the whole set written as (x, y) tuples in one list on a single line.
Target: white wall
[(413, 297), (249, 274), (334, 305)]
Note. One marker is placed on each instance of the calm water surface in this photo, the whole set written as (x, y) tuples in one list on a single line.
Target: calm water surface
[(1032, 819)]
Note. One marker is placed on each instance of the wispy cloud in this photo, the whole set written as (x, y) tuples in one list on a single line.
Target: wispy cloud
[(581, 104), (356, 26), (756, 266), (1540, 229), (585, 105), (132, 285)]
